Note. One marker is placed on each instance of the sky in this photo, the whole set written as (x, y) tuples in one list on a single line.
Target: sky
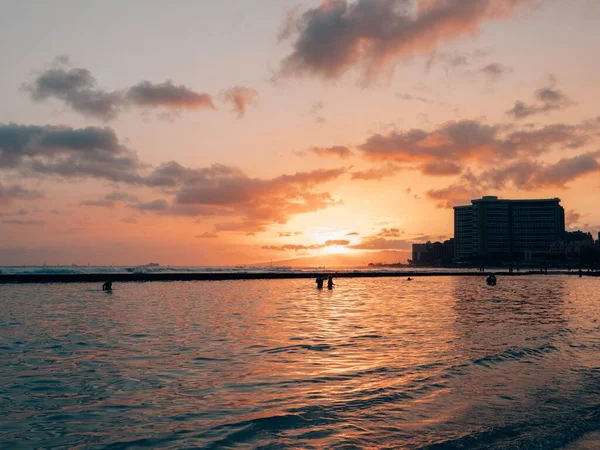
[(236, 132)]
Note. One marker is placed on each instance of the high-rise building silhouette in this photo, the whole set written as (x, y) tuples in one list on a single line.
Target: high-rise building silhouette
[(491, 227)]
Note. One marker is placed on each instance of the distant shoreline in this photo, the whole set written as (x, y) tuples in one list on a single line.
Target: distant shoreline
[(228, 276)]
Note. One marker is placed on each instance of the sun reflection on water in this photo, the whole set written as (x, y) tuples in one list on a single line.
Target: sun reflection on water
[(374, 362)]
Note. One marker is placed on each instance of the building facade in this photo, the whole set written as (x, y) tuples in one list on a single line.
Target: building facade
[(463, 232), (516, 229)]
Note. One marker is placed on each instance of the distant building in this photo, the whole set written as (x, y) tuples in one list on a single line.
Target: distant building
[(515, 229), (463, 232), (579, 236), (433, 254)]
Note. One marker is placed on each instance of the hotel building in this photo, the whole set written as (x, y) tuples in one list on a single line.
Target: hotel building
[(490, 227)]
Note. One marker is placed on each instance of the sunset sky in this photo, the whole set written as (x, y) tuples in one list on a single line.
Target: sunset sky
[(235, 132)]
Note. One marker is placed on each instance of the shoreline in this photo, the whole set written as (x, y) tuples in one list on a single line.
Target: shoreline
[(229, 276)]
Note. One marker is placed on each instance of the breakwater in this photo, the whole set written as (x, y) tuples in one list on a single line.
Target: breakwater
[(226, 276)]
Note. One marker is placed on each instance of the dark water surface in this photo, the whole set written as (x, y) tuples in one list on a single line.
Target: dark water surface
[(433, 363)]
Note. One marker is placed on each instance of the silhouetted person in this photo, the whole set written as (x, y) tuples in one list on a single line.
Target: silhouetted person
[(107, 286), (580, 273), (409, 279), (330, 283), (319, 282), (491, 280)]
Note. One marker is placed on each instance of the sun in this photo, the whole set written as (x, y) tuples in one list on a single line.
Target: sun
[(336, 250), (332, 242)]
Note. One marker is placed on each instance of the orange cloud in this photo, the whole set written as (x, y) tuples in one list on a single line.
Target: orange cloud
[(259, 202), (523, 174), (338, 151), (453, 195), (472, 140), (390, 232), (240, 97), (441, 168), (376, 173), (207, 236), (297, 248)]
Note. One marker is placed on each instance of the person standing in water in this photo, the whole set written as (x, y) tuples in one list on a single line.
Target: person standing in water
[(330, 283), (107, 286), (319, 282)]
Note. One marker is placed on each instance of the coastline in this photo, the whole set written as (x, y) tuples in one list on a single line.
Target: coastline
[(228, 276)]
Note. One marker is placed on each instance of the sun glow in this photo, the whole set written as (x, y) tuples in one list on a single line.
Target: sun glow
[(335, 242), (336, 250)]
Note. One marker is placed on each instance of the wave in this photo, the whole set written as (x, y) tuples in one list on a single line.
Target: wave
[(550, 427), (318, 422), (547, 432)]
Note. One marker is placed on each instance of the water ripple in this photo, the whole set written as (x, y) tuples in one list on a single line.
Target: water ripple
[(437, 363)]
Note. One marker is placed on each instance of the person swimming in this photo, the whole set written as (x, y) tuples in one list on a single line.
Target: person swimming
[(330, 283), (107, 286), (409, 279), (319, 280)]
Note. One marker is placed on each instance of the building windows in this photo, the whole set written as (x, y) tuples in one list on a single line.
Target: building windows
[(512, 228)]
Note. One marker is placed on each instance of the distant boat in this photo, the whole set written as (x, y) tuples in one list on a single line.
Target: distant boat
[(153, 265)]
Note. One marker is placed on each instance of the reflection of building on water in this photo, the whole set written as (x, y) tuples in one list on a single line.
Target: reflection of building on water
[(507, 345), (516, 310), (519, 325), (526, 358)]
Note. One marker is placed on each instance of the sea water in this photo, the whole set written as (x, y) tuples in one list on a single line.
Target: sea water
[(440, 362)]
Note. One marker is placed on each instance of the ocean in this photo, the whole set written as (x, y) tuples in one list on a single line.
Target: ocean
[(434, 363)]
